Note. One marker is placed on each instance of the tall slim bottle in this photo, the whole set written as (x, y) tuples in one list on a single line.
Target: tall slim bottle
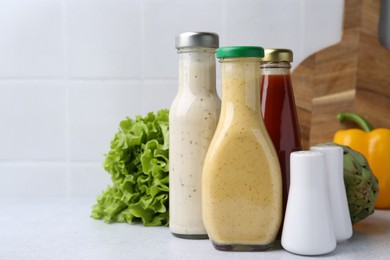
[(279, 111), (193, 118), (242, 186)]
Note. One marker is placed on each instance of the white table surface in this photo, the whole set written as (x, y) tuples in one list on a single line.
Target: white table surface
[(60, 228)]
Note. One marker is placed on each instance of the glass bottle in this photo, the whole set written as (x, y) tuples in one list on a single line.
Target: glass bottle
[(242, 186), (279, 111), (193, 118)]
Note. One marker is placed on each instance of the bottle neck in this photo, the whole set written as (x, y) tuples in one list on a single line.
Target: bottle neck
[(275, 68), (241, 85), (197, 70)]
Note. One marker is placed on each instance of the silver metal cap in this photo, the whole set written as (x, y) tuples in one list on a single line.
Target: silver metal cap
[(197, 39)]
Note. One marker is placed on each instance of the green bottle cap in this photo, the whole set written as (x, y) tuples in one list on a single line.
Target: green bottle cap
[(240, 52)]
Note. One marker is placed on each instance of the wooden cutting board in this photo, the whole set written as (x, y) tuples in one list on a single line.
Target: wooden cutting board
[(351, 76)]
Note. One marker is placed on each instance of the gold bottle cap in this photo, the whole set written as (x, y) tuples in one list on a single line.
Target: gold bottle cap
[(277, 55)]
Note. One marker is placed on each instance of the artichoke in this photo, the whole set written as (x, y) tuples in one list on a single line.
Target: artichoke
[(360, 183)]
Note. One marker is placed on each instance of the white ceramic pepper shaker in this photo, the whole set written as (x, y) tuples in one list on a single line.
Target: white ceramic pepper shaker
[(336, 189), (308, 227)]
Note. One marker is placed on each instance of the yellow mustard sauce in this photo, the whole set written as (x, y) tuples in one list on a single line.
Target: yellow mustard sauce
[(242, 187)]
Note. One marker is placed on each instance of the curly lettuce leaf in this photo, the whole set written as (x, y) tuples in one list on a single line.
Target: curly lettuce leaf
[(139, 167)]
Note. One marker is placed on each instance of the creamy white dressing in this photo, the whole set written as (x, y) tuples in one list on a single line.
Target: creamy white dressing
[(193, 118)]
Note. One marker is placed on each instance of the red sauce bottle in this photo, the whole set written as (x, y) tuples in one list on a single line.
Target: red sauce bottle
[(279, 111)]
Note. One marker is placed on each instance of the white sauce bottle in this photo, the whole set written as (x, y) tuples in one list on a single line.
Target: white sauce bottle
[(193, 119)]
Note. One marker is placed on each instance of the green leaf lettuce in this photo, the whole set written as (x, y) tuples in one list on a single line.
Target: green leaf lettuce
[(139, 168)]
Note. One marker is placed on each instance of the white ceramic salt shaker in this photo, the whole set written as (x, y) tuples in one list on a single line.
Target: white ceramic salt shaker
[(308, 227), (336, 189)]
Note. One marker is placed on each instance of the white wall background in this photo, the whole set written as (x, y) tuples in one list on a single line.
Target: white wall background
[(70, 70)]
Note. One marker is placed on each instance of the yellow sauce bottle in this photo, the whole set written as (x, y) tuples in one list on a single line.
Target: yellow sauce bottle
[(241, 179)]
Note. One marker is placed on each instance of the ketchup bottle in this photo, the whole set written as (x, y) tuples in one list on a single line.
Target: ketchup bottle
[(278, 109)]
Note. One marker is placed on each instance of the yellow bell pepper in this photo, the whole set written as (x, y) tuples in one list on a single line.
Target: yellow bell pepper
[(375, 146)]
